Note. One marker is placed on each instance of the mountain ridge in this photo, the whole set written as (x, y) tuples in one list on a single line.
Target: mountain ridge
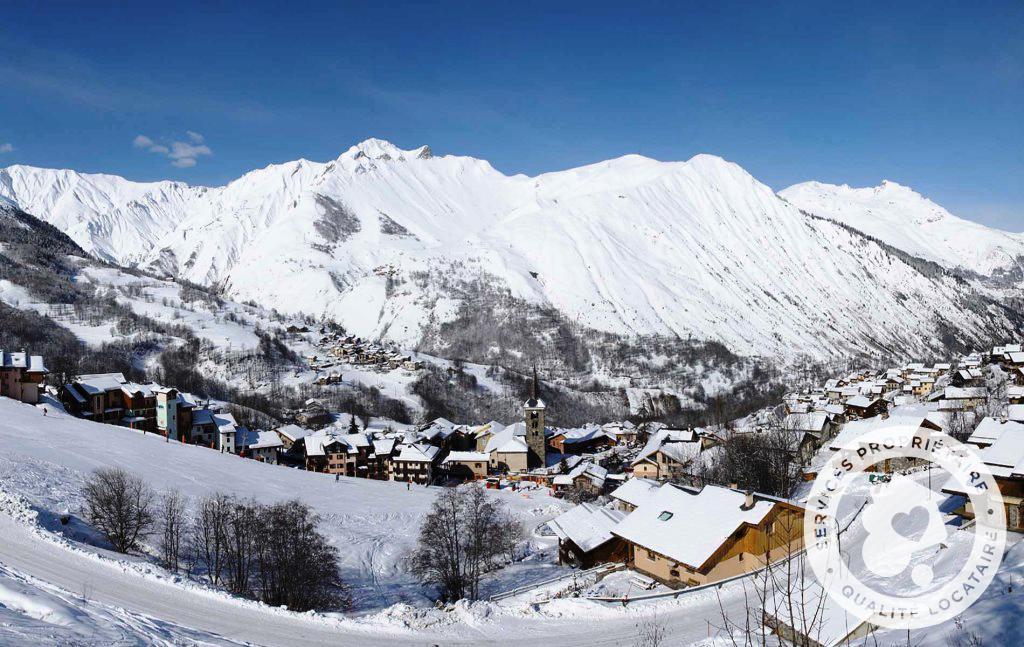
[(385, 239)]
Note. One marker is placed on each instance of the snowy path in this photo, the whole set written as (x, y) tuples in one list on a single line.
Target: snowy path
[(25, 552)]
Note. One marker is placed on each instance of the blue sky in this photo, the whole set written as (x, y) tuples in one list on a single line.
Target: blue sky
[(930, 95)]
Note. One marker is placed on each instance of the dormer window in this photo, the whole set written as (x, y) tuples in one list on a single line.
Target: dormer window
[(665, 516)]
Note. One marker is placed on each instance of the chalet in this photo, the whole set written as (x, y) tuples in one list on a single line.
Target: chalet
[(632, 493), (860, 406), (585, 536), (344, 454), (689, 536), (228, 433), (415, 464), (22, 376), (466, 466), (966, 398), (968, 377), (667, 453), (97, 397), (313, 414), (585, 477), (263, 446), (139, 406), (379, 462), (1015, 394), (580, 441), (291, 435), (818, 424), (482, 435), (205, 428), (623, 433), (1005, 460)]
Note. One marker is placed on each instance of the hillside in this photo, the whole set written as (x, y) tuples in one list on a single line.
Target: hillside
[(907, 220), (399, 244)]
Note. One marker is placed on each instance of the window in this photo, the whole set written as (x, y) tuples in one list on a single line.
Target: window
[(651, 555), (665, 516), (674, 573)]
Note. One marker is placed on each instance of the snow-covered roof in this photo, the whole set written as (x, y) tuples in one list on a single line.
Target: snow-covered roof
[(681, 445), (508, 440), (383, 446), (635, 491), (100, 382), (965, 393), (202, 417), (806, 421), (1015, 412), (587, 525), (466, 457), (688, 526), (133, 388), (861, 402), (256, 439), (857, 428), (991, 429), (293, 432), (417, 453), (1007, 451), (32, 363), (226, 423)]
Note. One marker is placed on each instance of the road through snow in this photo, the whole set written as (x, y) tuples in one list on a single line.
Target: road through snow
[(106, 582)]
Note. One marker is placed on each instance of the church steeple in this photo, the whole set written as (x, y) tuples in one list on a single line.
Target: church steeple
[(533, 412)]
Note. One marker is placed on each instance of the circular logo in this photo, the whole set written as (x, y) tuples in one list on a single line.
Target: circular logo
[(876, 531)]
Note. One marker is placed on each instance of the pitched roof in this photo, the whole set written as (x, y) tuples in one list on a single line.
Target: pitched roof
[(293, 432), (587, 525), (32, 363), (991, 429), (466, 457), (256, 439), (100, 382), (635, 491), (689, 526), (417, 453)]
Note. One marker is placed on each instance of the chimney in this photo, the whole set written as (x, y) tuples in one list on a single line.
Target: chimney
[(734, 486), (748, 502)]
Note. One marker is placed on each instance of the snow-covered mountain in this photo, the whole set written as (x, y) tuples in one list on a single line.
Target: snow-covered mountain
[(390, 241), (905, 219)]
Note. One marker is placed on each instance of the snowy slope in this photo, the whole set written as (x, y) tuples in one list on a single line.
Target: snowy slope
[(56, 590), (381, 239), (371, 522), (907, 220)]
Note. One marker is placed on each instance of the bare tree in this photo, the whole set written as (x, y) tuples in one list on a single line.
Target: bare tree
[(465, 534), (119, 505), (651, 632), (209, 535), (296, 565), (172, 530), (240, 538)]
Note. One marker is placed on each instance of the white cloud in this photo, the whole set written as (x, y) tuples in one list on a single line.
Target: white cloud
[(182, 154), (7, 147)]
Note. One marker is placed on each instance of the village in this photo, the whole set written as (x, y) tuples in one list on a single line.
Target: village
[(647, 496)]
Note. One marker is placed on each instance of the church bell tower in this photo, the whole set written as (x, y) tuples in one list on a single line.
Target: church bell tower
[(533, 411)]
